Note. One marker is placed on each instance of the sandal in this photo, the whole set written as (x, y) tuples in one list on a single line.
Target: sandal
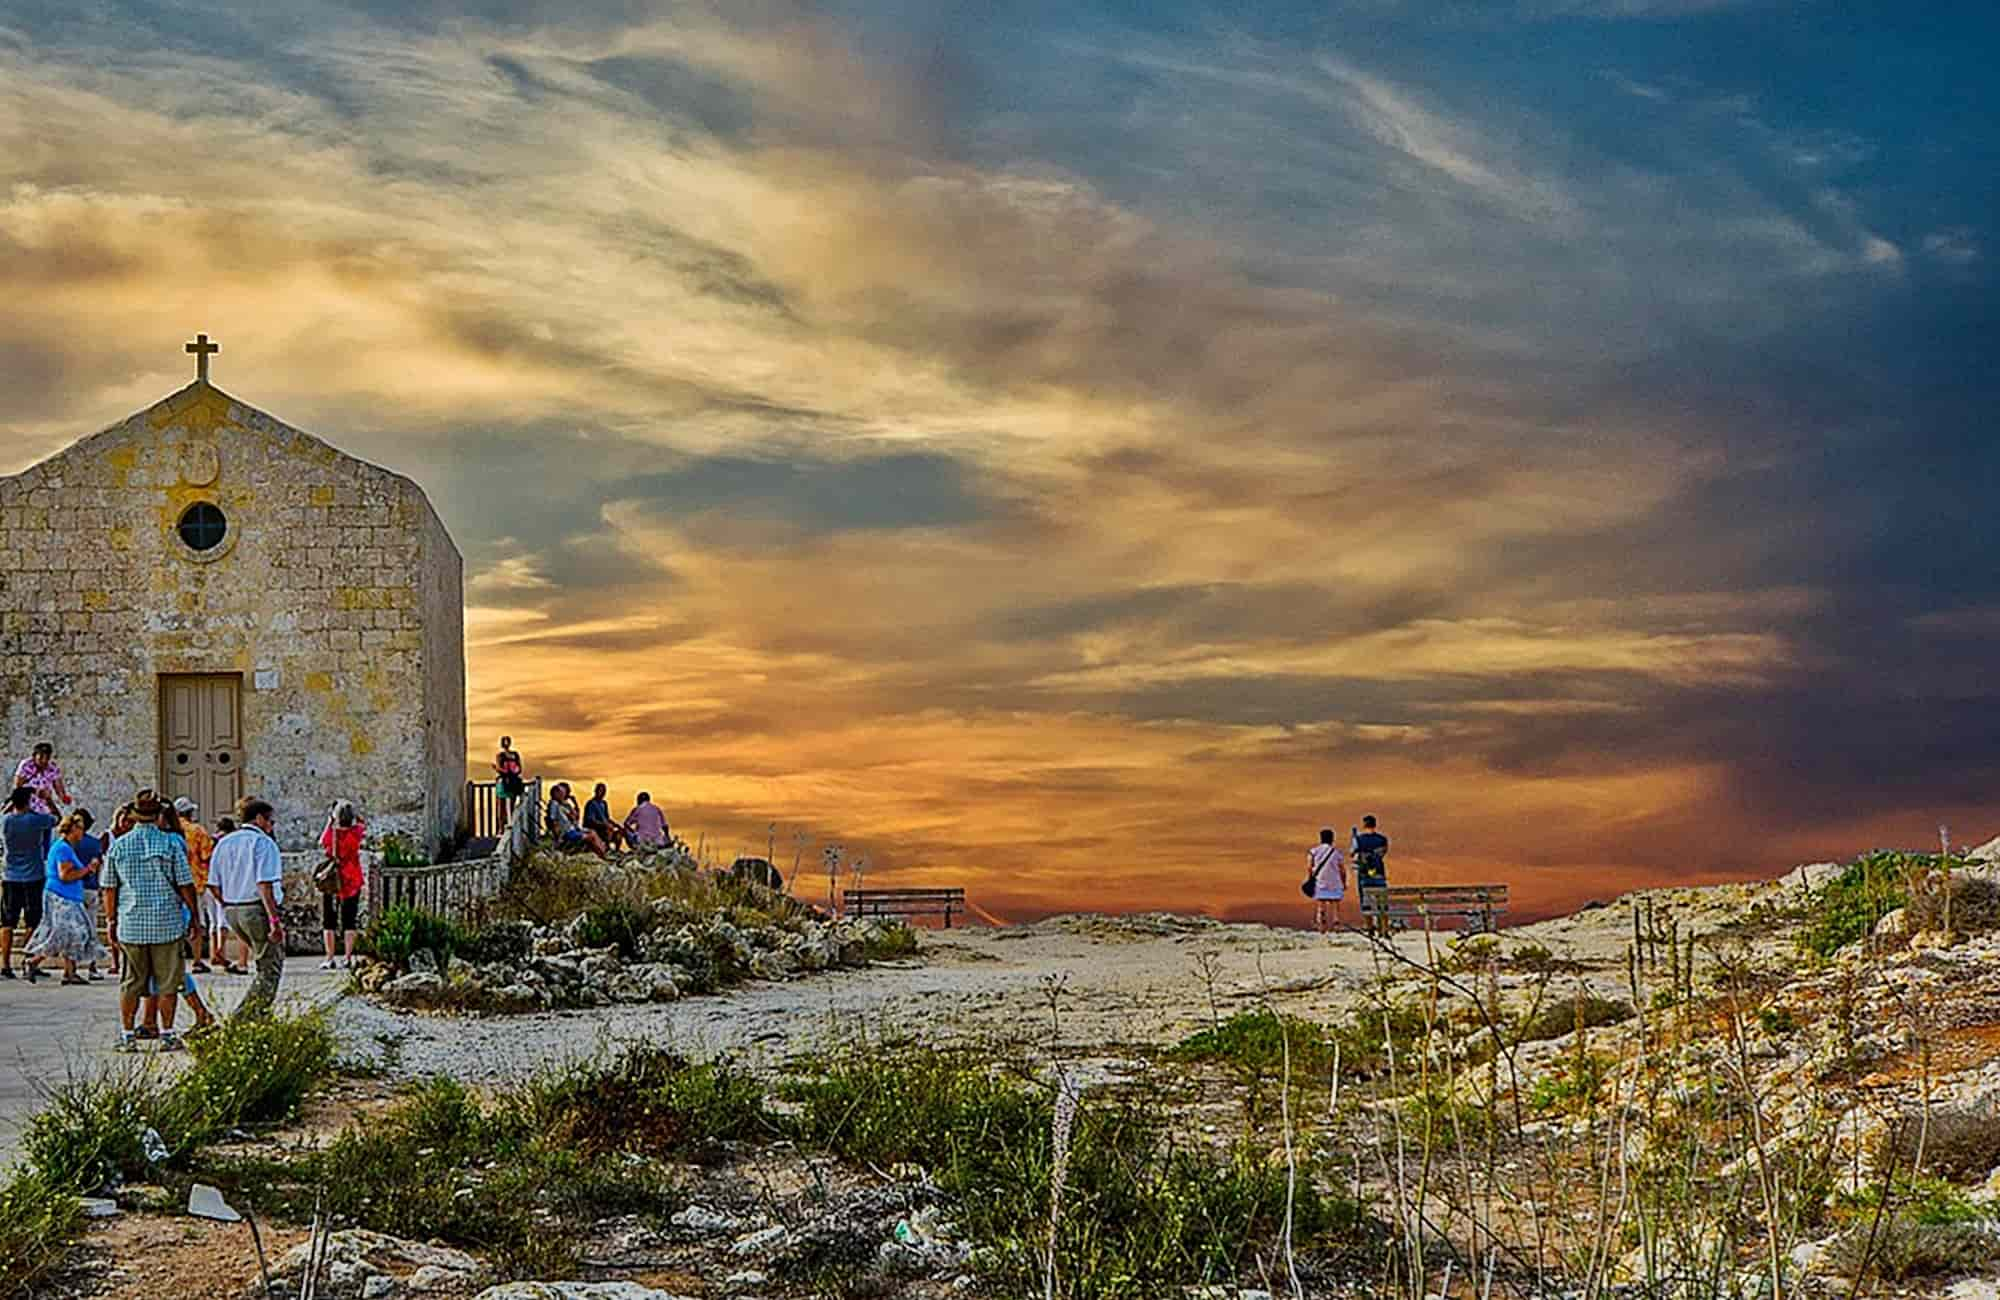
[(236, 970), (72, 979)]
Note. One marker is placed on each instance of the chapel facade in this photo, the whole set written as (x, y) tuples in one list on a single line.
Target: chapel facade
[(206, 600)]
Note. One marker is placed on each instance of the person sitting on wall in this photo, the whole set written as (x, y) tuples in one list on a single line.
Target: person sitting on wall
[(561, 823), (597, 818), (646, 825)]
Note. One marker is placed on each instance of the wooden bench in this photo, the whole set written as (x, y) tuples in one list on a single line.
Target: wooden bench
[(905, 902), (1383, 907)]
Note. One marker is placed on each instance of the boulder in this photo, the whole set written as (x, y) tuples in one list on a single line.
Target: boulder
[(628, 987), (772, 965), (365, 1264), (701, 1219), (1894, 924), (423, 962), (417, 984), (575, 1291), (1923, 939)]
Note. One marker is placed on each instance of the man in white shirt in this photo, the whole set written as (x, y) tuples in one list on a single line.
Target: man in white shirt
[(248, 875)]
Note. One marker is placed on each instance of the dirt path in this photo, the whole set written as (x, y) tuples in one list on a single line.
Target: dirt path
[(1117, 982)]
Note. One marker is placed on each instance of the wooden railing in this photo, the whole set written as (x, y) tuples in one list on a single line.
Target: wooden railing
[(482, 807), (458, 890)]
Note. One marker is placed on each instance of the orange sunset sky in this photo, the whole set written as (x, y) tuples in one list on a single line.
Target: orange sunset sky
[(1079, 452)]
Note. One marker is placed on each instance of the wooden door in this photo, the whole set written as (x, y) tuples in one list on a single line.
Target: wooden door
[(201, 741)]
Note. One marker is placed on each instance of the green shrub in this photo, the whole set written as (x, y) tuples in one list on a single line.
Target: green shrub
[(1558, 1016), (1472, 954), (648, 1101), (1846, 908), (401, 851), (1572, 1085), (1535, 959), (1902, 1247), (520, 1178), (38, 1220), (91, 1128), (616, 924), (257, 1071), (896, 941), (1255, 1043), (1142, 1216), (400, 931)]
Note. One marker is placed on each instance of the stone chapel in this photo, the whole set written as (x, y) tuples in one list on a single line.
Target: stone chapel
[(206, 600)]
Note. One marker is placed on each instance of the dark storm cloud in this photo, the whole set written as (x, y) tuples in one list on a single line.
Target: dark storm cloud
[(895, 490)]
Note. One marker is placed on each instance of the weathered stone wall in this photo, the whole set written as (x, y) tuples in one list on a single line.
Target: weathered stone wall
[(441, 610), (320, 597)]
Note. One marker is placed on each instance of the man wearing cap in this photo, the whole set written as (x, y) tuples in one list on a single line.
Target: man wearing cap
[(250, 874), (200, 845), (146, 885)]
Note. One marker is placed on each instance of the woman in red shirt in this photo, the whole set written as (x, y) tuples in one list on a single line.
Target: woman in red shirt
[(341, 841)]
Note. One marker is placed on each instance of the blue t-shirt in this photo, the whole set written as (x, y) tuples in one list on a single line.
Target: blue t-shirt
[(27, 837), (62, 855), (89, 849)]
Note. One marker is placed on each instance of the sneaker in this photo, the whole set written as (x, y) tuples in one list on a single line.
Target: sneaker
[(170, 1042), (147, 1031), (34, 973), (7, 973), (327, 964), (97, 975), (127, 1042), (199, 968)]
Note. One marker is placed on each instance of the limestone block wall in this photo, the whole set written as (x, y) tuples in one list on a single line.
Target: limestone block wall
[(323, 597), (441, 611)]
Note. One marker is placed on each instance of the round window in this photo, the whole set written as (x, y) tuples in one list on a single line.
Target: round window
[(203, 526)]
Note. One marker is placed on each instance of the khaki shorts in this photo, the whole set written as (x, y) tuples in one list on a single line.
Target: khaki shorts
[(159, 962)]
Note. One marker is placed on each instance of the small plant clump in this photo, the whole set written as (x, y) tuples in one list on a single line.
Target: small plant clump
[(38, 1220), (521, 1176), (91, 1128), (1141, 1213), (400, 931)]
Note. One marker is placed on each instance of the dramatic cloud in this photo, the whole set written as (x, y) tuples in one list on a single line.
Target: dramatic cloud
[(1081, 459)]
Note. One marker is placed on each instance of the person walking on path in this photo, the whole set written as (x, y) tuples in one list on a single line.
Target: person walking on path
[(1370, 849), (1329, 879), (340, 910), (91, 849), (26, 833), (200, 849), (40, 773), (149, 892), (646, 825), (251, 875), (66, 932), (217, 921)]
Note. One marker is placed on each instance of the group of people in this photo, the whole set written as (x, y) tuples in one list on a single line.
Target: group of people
[(1326, 870), (591, 827), (165, 893), (578, 829)]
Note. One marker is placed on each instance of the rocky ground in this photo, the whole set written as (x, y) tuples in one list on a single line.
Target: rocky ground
[(1835, 1056)]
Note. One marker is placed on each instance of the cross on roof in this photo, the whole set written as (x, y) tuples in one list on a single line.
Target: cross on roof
[(202, 350)]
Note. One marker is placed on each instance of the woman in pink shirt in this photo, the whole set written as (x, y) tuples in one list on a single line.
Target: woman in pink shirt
[(44, 780), (646, 825)]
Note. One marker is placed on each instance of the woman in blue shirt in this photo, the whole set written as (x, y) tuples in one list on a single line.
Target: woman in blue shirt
[(66, 931)]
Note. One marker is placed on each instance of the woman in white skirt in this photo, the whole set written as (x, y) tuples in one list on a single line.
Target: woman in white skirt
[(1329, 877), (66, 931)]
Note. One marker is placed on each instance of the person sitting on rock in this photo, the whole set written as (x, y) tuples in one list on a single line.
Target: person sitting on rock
[(563, 830), (646, 825), (597, 818)]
